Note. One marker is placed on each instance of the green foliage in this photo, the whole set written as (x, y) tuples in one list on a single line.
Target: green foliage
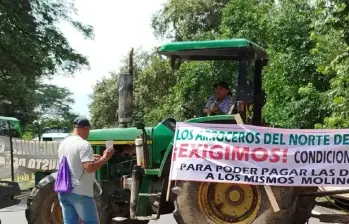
[(157, 79), (103, 107), (188, 19), (31, 48), (53, 110), (332, 39), (246, 19), (28, 135), (34, 129), (53, 101)]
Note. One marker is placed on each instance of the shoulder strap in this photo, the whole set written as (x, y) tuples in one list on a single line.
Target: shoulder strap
[(79, 178), (82, 174)]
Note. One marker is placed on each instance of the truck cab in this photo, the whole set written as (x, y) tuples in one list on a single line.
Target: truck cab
[(52, 134)]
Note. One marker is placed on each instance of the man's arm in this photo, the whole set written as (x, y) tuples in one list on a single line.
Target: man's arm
[(227, 106), (87, 159), (91, 167), (208, 104)]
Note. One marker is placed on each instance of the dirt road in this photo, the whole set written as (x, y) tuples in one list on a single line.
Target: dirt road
[(15, 215)]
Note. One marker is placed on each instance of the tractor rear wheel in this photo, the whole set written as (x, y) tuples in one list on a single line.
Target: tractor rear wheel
[(227, 203), (45, 208)]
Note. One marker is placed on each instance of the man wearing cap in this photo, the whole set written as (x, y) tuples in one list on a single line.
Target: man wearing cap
[(79, 203), (221, 102)]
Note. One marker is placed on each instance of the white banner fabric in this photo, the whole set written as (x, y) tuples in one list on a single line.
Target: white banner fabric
[(256, 155)]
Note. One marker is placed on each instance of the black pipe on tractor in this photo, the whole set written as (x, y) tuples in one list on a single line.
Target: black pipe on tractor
[(258, 97), (136, 176), (243, 91), (125, 110), (11, 151)]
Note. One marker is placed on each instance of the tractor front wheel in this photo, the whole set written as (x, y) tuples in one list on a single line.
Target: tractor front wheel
[(45, 208), (229, 203)]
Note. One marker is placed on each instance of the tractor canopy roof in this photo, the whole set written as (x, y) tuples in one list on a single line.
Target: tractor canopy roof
[(228, 49), (14, 121)]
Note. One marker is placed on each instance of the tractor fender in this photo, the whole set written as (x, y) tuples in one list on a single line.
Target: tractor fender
[(43, 182), (165, 165)]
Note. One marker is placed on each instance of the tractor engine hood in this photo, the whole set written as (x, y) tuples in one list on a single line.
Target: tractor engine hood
[(123, 135)]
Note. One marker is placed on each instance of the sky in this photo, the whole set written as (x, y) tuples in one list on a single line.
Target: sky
[(118, 26)]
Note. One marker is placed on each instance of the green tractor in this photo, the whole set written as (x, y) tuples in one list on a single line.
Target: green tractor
[(135, 182)]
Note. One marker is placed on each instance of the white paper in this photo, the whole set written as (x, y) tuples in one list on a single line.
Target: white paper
[(108, 144)]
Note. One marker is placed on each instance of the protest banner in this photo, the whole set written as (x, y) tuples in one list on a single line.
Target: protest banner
[(260, 155), (29, 157)]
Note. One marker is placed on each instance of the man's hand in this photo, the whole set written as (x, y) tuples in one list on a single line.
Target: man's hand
[(207, 111), (97, 157), (215, 110), (108, 153), (212, 110), (98, 160)]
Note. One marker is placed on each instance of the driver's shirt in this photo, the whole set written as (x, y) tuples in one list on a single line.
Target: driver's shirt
[(224, 105)]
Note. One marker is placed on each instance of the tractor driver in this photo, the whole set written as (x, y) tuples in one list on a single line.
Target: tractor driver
[(221, 102)]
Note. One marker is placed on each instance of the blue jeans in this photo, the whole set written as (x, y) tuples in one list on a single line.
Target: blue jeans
[(75, 206)]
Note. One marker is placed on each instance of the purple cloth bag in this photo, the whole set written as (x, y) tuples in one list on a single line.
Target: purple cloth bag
[(63, 180)]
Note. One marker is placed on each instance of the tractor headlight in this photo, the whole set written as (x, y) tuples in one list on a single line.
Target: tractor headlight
[(140, 152)]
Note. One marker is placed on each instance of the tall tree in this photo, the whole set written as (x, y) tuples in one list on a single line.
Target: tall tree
[(32, 47), (54, 109), (331, 24), (295, 88), (53, 102), (188, 19), (104, 102)]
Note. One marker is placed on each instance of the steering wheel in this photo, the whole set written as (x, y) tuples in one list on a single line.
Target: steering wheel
[(187, 112)]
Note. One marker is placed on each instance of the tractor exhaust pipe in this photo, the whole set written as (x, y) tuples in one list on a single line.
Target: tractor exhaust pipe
[(136, 176), (125, 110)]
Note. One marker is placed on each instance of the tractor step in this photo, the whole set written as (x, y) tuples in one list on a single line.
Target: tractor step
[(150, 195), (124, 220), (8, 192), (327, 204), (331, 218), (120, 220)]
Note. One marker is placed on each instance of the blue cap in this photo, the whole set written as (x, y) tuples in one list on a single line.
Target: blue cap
[(81, 122)]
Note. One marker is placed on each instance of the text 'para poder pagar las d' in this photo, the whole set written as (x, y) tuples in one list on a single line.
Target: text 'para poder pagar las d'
[(264, 175)]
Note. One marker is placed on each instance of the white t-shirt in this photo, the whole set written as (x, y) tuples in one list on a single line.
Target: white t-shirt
[(77, 150)]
